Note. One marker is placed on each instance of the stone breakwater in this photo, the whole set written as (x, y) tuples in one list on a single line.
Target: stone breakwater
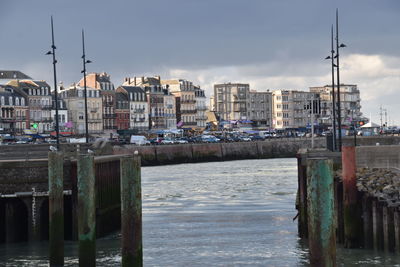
[(383, 184)]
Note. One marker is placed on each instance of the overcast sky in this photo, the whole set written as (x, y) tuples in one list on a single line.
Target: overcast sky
[(271, 44)]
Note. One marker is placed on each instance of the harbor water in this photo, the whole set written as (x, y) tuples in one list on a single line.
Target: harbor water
[(235, 213)]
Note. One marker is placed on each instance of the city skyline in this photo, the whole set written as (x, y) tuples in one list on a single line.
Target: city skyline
[(274, 45)]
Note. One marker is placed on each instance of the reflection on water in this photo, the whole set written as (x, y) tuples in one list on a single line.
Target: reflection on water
[(236, 213)]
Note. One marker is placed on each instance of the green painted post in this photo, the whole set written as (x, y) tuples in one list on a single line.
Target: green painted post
[(56, 208), (321, 212), (352, 212), (131, 211), (86, 211)]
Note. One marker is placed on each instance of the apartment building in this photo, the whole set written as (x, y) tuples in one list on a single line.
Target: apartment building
[(290, 109), (75, 101), (138, 107), (14, 112), (201, 117), (39, 103), (231, 101), (184, 92), (350, 104), (102, 81), (260, 109), (122, 111)]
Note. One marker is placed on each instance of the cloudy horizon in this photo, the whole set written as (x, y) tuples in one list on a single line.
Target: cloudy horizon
[(268, 44)]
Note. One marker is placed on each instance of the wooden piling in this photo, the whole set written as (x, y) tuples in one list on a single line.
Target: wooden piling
[(367, 221), (56, 208), (131, 211), (351, 209), (396, 222), (388, 229), (321, 214), (302, 198), (86, 211), (377, 224)]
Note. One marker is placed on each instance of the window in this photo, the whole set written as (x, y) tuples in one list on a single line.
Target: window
[(80, 115), (22, 101), (10, 100), (17, 101)]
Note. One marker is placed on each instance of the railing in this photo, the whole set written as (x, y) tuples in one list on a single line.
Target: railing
[(94, 110), (139, 110), (7, 119), (19, 118)]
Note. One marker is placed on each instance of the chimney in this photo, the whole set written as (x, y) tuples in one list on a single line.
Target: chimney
[(129, 80), (142, 80), (134, 81), (158, 78)]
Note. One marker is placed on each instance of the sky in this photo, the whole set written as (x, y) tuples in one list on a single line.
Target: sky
[(270, 44)]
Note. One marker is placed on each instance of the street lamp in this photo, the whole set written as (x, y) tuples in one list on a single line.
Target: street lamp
[(333, 65), (338, 80), (84, 85), (53, 52)]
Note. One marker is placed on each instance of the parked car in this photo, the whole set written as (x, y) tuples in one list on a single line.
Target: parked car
[(181, 141), (139, 140), (209, 139), (167, 141), (257, 138)]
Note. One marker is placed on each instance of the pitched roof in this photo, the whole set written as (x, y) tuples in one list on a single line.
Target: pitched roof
[(13, 74)]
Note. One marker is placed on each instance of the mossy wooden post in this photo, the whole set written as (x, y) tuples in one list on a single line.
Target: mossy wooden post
[(131, 211), (86, 211), (353, 224), (56, 208), (321, 213)]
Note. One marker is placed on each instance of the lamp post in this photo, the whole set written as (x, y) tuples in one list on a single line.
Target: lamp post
[(84, 85), (338, 81), (331, 57), (53, 52)]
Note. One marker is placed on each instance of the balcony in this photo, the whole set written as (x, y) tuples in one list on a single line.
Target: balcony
[(139, 110), (93, 110), (188, 111), (46, 119), (95, 120), (19, 118), (201, 118), (108, 103), (4, 119), (109, 116), (47, 107), (110, 127), (139, 120), (191, 123), (188, 101)]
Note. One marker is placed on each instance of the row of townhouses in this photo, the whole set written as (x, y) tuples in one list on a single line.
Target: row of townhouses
[(285, 109), (139, 104)]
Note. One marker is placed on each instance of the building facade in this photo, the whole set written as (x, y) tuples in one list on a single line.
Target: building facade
[(75, 101), (103, 82), (350, 104), (231, 101), (201, 108), (14, 112), (138, 107), (260, 109), (122, 111)]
